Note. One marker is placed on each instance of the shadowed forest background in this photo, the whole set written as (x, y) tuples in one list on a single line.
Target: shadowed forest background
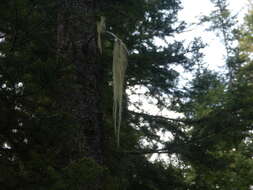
[(57, 91)]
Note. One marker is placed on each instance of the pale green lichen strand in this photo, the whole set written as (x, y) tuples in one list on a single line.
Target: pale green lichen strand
[(119, 68), (101, 28), (120, 54)]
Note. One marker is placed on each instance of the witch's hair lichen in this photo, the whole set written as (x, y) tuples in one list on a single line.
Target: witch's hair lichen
[(119, 68), (101, 28), (119, 65)]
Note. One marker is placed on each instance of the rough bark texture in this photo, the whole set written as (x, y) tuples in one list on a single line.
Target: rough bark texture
[(77, 46)]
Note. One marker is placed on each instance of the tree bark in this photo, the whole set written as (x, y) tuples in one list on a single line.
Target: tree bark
[(77, 47)]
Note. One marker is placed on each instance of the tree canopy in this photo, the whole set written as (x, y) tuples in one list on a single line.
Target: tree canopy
[(56, 96)]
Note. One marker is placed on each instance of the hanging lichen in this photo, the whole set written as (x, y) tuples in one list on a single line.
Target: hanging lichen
[(119, 68), (101, 28), (120, 54)]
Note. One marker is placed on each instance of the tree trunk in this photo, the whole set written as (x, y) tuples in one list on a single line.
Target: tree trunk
[(77, 47)]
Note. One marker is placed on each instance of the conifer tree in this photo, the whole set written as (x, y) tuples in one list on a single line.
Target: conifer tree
[(56, 114), (56, 105)]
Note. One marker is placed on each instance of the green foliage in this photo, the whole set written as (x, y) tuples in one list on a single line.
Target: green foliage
[(246, 39), (83, 173), (222, 127), (39, 141)]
